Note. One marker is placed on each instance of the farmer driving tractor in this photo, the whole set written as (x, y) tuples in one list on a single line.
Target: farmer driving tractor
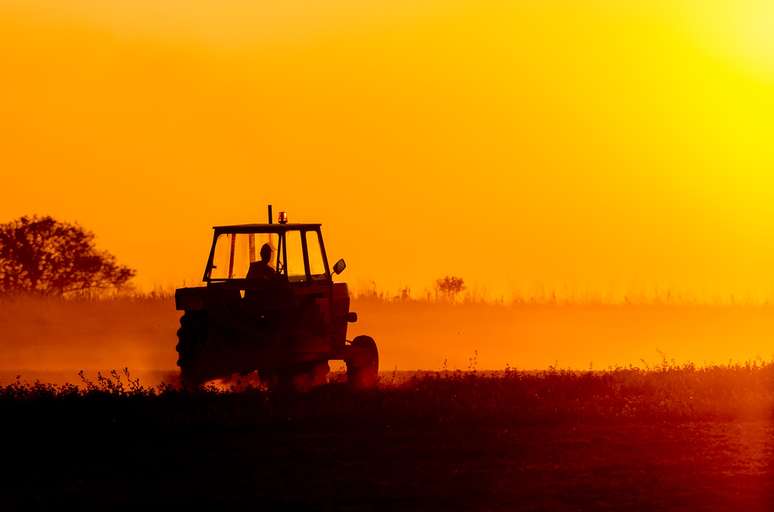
[(261, 269)]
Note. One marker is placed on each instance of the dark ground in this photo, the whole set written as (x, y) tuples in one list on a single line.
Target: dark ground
[(669, 440)]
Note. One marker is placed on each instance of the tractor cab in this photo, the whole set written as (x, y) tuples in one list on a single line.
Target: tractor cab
[(297, 254)]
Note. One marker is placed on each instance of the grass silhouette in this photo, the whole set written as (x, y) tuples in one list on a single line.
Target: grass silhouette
[(625, 438), (667, 392)]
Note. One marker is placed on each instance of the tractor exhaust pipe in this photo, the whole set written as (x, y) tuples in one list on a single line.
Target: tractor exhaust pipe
[(270, 215)]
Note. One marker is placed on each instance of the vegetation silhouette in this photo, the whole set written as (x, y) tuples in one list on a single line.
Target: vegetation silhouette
[(552, 440), (666, 391), (44, 256), (450, 286)]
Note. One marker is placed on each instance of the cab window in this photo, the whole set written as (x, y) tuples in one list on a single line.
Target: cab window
[(234, 252), (295, 254), (316, 262)]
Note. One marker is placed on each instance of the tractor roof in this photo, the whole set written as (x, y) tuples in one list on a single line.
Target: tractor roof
[(264, 228)]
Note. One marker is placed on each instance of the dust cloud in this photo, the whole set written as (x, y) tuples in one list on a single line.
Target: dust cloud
[(52, 339)]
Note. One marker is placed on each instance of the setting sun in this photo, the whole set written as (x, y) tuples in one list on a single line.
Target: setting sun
[(740, 31)]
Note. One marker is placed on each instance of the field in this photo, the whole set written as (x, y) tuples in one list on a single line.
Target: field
[(669, 438), (626, 425)]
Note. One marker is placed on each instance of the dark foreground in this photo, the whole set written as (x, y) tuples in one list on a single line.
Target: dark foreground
[(672, 439)]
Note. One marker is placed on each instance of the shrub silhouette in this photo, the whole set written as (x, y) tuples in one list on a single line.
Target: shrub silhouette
[(43, 256), (450, 286)]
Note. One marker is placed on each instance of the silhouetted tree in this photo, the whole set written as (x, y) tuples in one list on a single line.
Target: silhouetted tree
[(44, 256), (450, 286)]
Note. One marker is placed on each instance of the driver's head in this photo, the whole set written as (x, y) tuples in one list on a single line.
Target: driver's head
[(265, 253)]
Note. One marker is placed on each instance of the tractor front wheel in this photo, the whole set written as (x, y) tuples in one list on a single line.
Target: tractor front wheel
[(363, 363)]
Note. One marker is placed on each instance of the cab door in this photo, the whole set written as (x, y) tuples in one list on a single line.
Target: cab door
[(311, 285), (318, 278)]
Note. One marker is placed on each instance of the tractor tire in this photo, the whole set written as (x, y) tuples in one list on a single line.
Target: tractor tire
[(191, 338), (363, 363)]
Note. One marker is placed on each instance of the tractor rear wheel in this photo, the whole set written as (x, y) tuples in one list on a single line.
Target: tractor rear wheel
[(191, 337), (363, 363)]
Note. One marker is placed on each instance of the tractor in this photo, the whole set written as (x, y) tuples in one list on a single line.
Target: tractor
[(269, 304)]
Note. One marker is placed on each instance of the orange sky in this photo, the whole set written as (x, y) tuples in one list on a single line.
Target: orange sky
[(587, 147)]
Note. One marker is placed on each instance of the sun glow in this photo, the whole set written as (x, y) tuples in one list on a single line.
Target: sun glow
[(742, 30)]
